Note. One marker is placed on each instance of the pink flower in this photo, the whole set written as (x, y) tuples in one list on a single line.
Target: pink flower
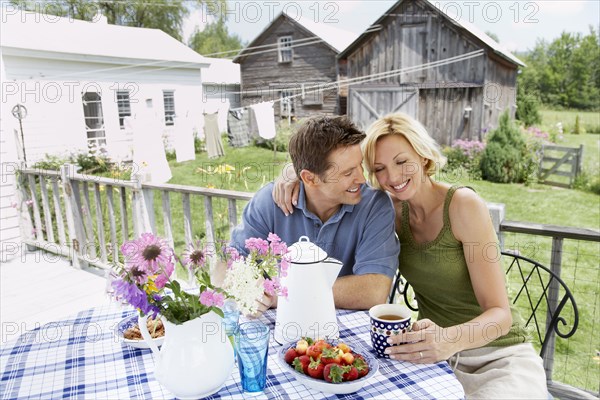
[(13, 204), (231, 255), (29, 203), (260, 245), (148, 255), (195, 255), (211, 298)]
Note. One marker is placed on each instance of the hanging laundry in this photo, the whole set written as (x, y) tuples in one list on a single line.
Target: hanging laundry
[(214, 147), (184, 139), (265, 118), (238, 133), (252, 125), (149, 158)]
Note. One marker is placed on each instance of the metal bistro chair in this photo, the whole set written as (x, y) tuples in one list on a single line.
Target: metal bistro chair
[(545, 302)]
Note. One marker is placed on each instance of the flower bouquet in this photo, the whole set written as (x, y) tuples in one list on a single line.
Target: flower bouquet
[(146, 279)]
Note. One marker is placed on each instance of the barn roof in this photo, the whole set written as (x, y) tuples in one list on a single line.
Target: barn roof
[(49, 36), (460, 23), (335, 38)]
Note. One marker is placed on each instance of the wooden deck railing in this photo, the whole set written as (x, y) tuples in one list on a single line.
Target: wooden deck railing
[(97, 223)]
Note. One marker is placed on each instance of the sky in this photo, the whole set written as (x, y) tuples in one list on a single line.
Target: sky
[(518, 24)]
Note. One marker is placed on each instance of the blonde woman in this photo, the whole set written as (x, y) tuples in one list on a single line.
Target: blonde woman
[(450, 256)]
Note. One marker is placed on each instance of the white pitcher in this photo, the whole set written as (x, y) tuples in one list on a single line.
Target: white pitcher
[(309, 309), (196, 357)]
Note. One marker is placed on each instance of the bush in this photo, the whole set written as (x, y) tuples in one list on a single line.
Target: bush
[(528, 109), (506, 158), (465, 155)]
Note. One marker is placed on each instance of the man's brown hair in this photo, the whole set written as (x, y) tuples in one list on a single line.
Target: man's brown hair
[(317, 137)]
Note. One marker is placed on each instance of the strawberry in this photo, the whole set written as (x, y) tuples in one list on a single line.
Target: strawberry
[(361, 365), (343, 347), (301, 347), (315, 368), (331, 355), (350, 374), (333, 373), (313, 352), (347, 358), (322, 344), (290, 355), (301, 364)]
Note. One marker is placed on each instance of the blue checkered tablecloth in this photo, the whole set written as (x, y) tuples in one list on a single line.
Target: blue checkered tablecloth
[(82, 357)]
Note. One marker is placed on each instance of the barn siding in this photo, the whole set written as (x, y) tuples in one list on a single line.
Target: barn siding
[(414, 33), (263, 76)]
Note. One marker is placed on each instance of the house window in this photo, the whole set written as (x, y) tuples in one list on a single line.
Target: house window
[(284, 47), (286, 103), (94, 119), (169, 100), (124, 106)]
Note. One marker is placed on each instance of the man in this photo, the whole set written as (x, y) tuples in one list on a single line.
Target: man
[(336, 210)]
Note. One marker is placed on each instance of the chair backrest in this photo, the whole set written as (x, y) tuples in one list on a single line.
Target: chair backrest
[(543, 298)]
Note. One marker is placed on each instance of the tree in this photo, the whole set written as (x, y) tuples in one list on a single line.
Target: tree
[(166, 15), (493, 36), (215, 39), (565, 72)]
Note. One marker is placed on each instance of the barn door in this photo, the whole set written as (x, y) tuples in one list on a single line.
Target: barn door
[(366, 104)]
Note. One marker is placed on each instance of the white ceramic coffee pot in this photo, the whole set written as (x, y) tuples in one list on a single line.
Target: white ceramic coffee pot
[(309, 309)]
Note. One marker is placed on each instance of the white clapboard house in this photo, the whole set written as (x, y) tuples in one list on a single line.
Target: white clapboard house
[(78, 81)]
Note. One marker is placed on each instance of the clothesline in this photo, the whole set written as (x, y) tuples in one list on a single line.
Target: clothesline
[(372, 77)]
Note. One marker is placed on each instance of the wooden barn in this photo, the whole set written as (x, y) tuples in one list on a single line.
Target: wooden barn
[(290, 58), (415, 58)]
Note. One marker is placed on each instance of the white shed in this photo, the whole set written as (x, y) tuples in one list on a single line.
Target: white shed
[(78, 81)]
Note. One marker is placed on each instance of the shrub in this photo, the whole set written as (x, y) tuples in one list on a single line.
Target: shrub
[(505, 158), (528, 108), (465, 155)]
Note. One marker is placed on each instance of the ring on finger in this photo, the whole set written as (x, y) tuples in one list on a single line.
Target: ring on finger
[(421, 354)]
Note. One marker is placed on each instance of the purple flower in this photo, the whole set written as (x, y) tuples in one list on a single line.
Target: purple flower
[(134, 296)]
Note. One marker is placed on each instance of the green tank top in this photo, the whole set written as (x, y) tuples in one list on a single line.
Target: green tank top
[(438, 274)]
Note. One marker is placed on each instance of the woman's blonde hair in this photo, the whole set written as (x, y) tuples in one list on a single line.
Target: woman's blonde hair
[(412, 130)]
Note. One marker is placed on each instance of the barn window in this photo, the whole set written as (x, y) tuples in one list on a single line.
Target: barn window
[(124, 106), (169, 100), (286, 104), (94, 119), (312, 94), (284, 49)]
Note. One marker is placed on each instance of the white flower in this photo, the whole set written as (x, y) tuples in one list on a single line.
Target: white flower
[(243, 283)]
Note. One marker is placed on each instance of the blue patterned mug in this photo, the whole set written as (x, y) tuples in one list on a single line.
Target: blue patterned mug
[(387, 320)]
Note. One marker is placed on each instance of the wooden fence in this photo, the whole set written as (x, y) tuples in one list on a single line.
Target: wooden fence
[(554, 159), (88, 228)]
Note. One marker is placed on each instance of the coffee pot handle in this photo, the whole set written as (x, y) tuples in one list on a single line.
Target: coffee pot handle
[(142, 323)]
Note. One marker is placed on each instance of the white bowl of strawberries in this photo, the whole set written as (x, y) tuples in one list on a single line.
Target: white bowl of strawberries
[(330, 367)]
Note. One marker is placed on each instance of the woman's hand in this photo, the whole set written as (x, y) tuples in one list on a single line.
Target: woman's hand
[(285, 190), (425, 343)]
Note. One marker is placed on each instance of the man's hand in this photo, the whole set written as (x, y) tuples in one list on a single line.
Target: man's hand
[(264, 304)]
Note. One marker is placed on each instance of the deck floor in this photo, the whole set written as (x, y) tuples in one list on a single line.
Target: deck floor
[(40, 287)]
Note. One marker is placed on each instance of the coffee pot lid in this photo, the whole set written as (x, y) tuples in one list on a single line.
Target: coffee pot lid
[(306, 252)]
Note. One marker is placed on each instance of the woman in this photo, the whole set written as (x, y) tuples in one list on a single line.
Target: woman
[(450, 256)]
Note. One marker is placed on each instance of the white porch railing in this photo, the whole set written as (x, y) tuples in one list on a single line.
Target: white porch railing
[(101, 213)]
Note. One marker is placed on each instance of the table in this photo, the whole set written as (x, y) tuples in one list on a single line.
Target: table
[(81, 357)]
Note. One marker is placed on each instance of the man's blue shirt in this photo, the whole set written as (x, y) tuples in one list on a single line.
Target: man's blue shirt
[(361, 236)]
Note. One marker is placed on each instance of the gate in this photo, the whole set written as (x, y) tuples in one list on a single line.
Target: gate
[(367, 103), (555, 157)]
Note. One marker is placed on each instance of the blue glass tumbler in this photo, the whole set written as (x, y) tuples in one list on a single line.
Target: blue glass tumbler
[(252, 348)]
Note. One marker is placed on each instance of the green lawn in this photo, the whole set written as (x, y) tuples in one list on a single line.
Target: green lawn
[(589, 120)]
